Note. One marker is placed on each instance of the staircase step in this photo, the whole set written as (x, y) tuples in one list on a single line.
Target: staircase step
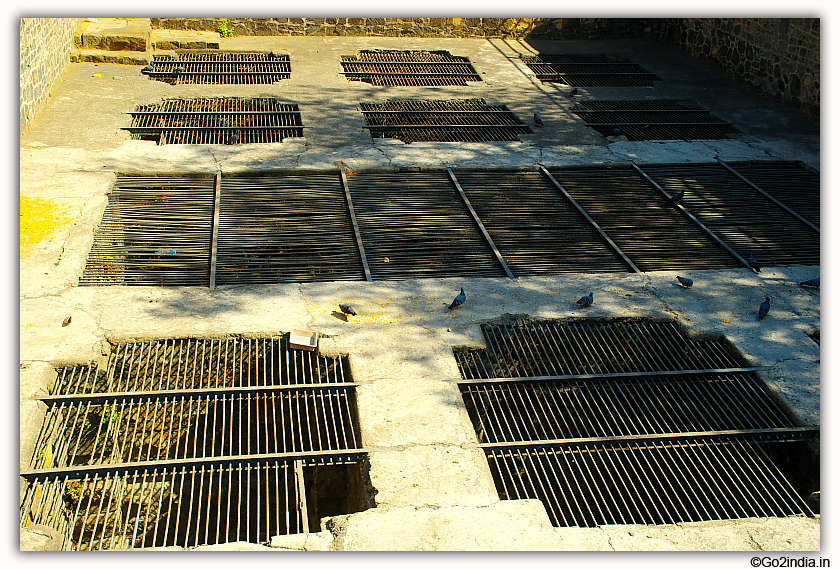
[(114, 34), (183, 39), (107, 56)]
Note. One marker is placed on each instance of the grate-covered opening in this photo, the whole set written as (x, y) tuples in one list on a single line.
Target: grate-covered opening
[(216, 120), (748, 221), (630, 422), (224, 433), (408, 68), (293, 228), (416, 225), (220, 68), (155, 231), (647, 226), (589, 70), (454, 120), (653, 120)]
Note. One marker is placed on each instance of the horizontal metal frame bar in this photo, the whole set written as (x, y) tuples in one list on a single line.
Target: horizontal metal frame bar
[(608, 375), (484, 126), (211, 113), (663, 124), (584, 74), (218, 128), (373, 62), (798, 433), (407, 74), (436, 112), (80, 470)]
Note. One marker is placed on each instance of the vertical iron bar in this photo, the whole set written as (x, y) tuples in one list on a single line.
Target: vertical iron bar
[(215, 234), (358, 235)]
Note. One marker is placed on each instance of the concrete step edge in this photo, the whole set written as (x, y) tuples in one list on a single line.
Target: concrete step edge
[(107, 56)]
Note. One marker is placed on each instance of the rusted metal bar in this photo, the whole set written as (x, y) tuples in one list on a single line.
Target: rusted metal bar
[(352, 212)]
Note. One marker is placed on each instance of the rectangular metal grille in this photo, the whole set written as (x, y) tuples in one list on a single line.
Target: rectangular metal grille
[(415, 225), (653, 120), (589, 70), (294, 228), (221, 68), (455, 120), (216, 432), (155, 231), (626, 423), (216, 120), (406, 68), (645, 225), (748, 221)]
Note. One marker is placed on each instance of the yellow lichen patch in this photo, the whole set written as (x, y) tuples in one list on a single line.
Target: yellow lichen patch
[(39, 219)]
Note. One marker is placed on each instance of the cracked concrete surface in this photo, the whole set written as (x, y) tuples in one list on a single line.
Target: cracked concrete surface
[(434, 487)]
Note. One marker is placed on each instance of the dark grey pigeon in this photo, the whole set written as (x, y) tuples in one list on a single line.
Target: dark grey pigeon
[(677, 198), (459, 300), (764, 308), (233, 138), (148, 69), (586, 301), (685, 281), (180, 69), (347, 309), (754, 264), (815, 282), (537, 120), (573, 92)]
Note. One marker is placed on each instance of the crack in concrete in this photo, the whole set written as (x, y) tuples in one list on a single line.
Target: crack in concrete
[(754, 542)]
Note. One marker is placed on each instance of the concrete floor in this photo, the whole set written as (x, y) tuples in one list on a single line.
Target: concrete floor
[(434, 488)]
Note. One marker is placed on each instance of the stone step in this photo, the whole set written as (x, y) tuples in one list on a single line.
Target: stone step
[(107, 56), (183, 39), (114, 34)]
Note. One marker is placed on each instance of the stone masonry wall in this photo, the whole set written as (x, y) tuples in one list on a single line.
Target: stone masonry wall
[(542, 28), (779, 57), (45, 45)]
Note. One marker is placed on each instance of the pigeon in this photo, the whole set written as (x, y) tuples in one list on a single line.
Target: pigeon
[(815, 282), (616, 131), (586, 301), (148, 69), (347, 309), (764, 308), (677, 198), (573, 92), (537, 120), (754, 264), (271, 55), (459, 300), (180, 69), (233, 138), (685, 281)]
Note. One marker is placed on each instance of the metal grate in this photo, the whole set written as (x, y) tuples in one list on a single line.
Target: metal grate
[(416, 225), (536, 230), (653, 120), (647, 227), (747, 220), (408, 68), (218, 432), (626, 423), (216, 120), (155, 231), (589, 70), (223, 68), (294, 228), (455, 120)]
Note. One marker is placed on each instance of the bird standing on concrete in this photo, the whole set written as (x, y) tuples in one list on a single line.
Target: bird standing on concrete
[(586, 301), (815, 282), (148, 69), (538, 121), (347, 309), (754, 264), (764, 308), (459, 300), (685, 281), (233, 138)]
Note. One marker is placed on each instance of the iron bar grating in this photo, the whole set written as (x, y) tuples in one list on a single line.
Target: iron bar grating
[(293, 228), (221, 68), (589, 70), (216, 120), (653, 120), (791, 183), (408, 68), (750, 223), (534, 227), (155, 231), (626, 423), (214, 431), (645, 225), (454, 120), (416, 225)]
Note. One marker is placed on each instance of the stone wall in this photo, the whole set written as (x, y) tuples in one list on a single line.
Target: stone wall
[(45, 45), (779, 57), (541, 28)]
